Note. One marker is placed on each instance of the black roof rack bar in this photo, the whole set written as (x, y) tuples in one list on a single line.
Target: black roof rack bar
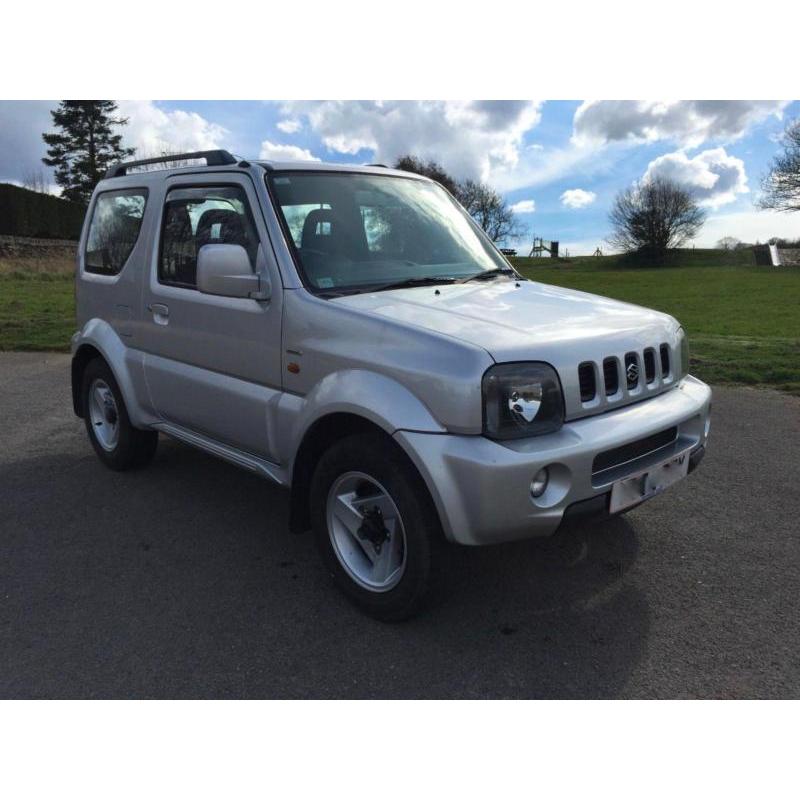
[(213, 158)]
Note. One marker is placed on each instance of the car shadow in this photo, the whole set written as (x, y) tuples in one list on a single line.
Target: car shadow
[(183, 580)]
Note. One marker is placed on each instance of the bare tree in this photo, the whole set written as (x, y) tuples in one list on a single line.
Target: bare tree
[(35, 180), (490, 211), (656, 216), (781, 186), (728, 243)]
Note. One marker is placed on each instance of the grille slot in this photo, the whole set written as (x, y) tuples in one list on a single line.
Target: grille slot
[(664, 349), (649, 365), (587, 381), (631, 370), (637, 449), (611, 376)]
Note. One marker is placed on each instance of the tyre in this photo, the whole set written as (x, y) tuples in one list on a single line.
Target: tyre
[(375, 525), (118, 444)]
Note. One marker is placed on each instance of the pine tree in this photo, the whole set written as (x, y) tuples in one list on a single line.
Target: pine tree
[(85, 146)]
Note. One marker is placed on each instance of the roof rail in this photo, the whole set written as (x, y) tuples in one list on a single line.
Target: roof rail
[(214, 158)]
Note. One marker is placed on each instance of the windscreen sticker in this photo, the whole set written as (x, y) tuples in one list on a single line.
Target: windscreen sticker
[(325, 283)]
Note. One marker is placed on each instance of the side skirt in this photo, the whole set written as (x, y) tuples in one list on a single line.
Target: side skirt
[(266, 469)]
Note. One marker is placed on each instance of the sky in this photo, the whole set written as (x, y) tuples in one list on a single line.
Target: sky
[(559, 164)]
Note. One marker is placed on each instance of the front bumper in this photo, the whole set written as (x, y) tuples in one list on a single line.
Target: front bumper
[(481, 488)]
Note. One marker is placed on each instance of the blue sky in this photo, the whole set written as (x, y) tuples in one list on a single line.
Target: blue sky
[(560, 163)]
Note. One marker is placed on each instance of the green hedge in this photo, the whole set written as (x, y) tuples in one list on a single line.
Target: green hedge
[(27, 213)]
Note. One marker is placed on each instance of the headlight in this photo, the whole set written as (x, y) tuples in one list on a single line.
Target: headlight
[(684, 345), (522, 399)]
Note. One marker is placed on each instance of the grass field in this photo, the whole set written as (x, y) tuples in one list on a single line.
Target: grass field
[(743, 321)]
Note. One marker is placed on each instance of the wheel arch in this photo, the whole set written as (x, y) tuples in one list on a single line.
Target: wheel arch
[(99, 340), (83, 355), (320, 435)]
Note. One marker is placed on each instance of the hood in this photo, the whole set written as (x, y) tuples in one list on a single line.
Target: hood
[(529, 321), (517, 322)]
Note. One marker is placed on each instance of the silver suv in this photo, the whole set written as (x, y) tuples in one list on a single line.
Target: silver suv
[(351, 334)]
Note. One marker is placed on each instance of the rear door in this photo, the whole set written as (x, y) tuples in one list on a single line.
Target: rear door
[(212, 363)]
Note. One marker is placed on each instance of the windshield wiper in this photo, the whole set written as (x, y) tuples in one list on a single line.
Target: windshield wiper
[(489, 273), (429, 280)]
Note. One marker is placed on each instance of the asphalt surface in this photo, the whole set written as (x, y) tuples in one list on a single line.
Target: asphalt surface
[(182, 580)]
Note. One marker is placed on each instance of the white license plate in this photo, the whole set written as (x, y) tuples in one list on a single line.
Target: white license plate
[(648, 483)]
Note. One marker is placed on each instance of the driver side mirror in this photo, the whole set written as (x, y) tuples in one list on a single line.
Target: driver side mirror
[(224, 269)]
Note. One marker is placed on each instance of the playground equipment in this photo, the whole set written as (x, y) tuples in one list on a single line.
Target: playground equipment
[(542, 246)]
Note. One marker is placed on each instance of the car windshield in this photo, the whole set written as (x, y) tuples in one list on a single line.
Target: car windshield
[(354, 232)]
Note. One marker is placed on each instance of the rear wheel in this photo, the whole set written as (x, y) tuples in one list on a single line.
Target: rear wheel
[(118, 444), (375, 525)]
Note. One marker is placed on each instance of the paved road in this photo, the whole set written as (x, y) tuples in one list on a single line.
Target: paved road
[(183, 581)]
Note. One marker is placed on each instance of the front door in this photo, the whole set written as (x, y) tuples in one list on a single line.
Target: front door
[(212, 363)]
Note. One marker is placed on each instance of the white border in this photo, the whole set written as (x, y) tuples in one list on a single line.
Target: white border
[(416, 49), (390, 749)]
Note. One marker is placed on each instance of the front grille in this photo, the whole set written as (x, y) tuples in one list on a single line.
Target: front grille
[(618, 378), (628, 452), (587, 382), (611, 376), (664, 360)]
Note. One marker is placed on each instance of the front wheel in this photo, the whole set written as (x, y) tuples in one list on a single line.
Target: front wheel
[(375, 525)]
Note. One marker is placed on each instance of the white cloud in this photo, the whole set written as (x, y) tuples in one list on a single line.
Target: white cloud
[(470, 139), (577, 198), (714, 177), (688, 122), (151, 130), (542, 167), (524, 207), (285, 152), (289, 125)]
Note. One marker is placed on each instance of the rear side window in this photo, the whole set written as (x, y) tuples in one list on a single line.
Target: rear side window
[(197, 216), (114, 229)]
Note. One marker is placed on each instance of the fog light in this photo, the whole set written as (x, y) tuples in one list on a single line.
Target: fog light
[(539, 482)]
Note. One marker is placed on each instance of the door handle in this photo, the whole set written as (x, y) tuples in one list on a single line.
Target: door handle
[(160, 313)]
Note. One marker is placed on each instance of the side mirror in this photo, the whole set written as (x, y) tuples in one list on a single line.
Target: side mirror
[(224, 269)]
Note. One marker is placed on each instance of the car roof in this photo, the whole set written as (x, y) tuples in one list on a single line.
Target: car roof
[(126, 174), (150, 176)]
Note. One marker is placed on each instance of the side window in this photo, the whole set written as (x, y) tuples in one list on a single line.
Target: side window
[(114, 229), (197, 216)]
